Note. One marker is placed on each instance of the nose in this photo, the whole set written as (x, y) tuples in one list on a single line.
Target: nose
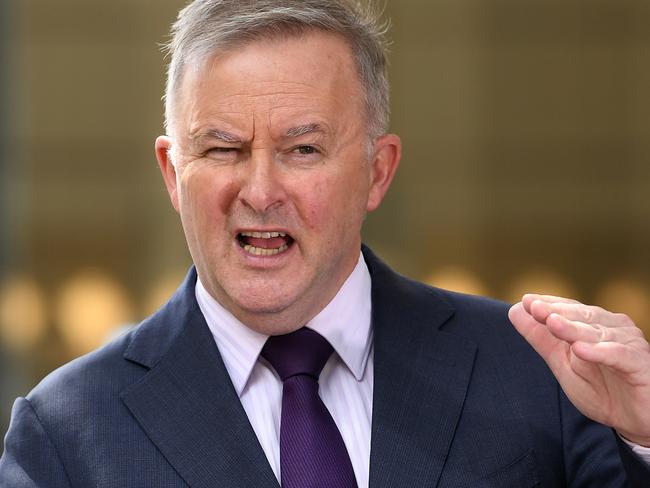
[(261, 187)]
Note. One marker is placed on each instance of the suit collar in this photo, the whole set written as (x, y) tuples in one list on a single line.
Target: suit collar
[(421, 376), (186, 402), (156, 335)]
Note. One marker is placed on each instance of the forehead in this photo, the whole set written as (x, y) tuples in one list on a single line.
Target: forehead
[(313, 74)]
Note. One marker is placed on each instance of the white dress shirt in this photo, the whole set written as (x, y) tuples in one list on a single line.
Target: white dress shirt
[(345, 382)]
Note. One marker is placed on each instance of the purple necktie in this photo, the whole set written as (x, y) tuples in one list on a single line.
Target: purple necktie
[(312, 452)]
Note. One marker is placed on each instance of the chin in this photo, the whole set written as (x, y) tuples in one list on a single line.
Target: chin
[(252, 303), (262, 307), (270, 314)]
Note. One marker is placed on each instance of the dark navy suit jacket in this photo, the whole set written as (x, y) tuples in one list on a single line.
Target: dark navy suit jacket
[(460, 400)]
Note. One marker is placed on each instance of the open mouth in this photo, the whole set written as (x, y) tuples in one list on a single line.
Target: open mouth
[(265, 243)]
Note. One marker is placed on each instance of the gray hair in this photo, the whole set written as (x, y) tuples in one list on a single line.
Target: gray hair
[(205, 27)]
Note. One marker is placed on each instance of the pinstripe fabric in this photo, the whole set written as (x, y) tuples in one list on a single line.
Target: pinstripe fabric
[(345, 382)]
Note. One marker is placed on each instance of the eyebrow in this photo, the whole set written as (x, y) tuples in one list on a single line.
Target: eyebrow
[(301, 130), (230, 138), (220, 135)]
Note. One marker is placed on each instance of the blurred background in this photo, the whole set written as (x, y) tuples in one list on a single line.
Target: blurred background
[(526, 167)]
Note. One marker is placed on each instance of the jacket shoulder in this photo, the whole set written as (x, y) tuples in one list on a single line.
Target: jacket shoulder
[(99, 377), (484, 320), (99, 374)]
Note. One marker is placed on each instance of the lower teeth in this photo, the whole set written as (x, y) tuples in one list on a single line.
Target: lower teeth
[(260, 251)]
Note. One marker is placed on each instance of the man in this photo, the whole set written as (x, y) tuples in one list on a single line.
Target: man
[(276, 148)]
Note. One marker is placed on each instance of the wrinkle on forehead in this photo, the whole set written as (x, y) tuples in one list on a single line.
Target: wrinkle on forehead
[(266, 97), (278, 113), (259, 87)]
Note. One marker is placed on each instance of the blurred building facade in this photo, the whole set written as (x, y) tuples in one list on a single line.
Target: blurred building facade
[(526, 128)]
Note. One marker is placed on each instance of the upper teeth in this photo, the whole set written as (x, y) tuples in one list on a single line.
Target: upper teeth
[(263, 235)]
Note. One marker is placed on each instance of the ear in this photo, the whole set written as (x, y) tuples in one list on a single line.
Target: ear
[(386, 156), (163, 145)]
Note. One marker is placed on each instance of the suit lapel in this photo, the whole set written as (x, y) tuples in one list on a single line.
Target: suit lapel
[(421, 375), (186, 403)]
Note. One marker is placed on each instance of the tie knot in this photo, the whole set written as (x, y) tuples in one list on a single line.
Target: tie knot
[(301, 352)]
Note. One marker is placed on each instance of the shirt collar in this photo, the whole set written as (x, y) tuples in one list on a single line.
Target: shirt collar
[(344, 322)]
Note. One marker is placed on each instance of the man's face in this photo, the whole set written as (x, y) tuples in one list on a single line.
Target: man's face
[(272, 176)]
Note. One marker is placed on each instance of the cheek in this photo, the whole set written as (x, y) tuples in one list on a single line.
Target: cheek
[(334, 204), (316, 203), (206, 197)]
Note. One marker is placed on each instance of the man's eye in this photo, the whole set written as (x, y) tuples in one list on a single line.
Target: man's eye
[(222, 149), (222, 153), (306, 150)]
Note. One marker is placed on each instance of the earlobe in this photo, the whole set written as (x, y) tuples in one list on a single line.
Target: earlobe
[(386, 158), (163, 146)]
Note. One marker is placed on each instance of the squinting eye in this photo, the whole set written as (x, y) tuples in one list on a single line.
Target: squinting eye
[(222, 153)]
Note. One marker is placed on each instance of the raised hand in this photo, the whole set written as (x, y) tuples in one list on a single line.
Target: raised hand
[(601, 359)]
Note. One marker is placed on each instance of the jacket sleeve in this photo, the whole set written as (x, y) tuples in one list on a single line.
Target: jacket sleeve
[(30, 460), (637, 470), (594, 455)]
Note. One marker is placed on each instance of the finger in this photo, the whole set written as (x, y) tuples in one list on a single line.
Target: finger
[(538, 335), (571, 330), (554, 351), (541, 309), (524, 322), (529, 298), (583, 313), (572, 311), (620, 357), (575, 331), (580, 367)]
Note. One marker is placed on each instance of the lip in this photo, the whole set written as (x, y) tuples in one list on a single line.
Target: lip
[(265, 262)]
